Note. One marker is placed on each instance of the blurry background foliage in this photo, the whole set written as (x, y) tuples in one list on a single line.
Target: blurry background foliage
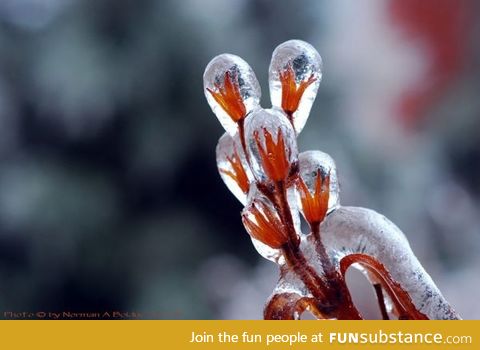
[(109, 193)]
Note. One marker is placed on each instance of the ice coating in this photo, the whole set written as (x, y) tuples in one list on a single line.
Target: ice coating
[(274, 124), (242, 77), (233, 167), (264, 167), (264, 250), (301, 59), (268, 253), (310, 163), (353, 230), (292, 196), (290, 283)]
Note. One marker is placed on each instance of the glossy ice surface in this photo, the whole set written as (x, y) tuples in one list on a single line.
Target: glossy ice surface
[(241, 76), (305, 63)]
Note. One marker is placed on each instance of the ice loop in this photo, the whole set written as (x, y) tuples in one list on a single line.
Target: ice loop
[(259, 161)]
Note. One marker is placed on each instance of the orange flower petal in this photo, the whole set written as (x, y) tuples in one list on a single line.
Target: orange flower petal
[(291, 93), (273, 155), (314, 206), (229, 98), (238, 173), (267, 228)]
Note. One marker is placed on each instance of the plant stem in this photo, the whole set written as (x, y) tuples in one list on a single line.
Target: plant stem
[(332, 297), (405, 308), (296, 260), (285, 213), (381, 300), (327, 264)]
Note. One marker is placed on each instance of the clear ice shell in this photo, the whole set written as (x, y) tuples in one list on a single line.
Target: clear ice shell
[(268, 253), (272, 121), (310, 162), (264, 250), (353, 230), (290, 282), (305, 62), (228, 147), (247, 81), (292, 199)]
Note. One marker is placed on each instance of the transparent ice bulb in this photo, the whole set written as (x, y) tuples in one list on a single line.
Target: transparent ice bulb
[(231, 88), (233, 167), (271, 145), (294, 77), (311, 163)]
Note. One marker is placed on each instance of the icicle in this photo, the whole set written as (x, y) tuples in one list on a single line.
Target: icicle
[(232, 89), (294, 75)]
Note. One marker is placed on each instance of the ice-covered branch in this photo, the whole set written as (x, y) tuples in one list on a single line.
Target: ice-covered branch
[(259, 161)]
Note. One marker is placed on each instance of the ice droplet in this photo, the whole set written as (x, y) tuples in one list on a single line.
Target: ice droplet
[(305, 62), (353, 230), (243, 81), (270, 162), (233, 167), (312, 162), (264, 250)]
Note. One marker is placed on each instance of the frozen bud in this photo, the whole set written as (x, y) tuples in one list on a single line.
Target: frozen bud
[(231, 88), (317, 185), (264, 227), (233, 167), (271, 145), (294, 75)]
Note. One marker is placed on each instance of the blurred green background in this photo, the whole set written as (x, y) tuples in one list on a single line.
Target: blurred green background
[(110, 198)]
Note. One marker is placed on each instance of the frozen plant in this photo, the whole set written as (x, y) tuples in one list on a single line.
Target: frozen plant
[(259, 162)]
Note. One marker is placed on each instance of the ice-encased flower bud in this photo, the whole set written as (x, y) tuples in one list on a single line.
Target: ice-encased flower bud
[(271, 145), (314, 163), (231, 88), (264, 226), (294, 77), (233, 167)]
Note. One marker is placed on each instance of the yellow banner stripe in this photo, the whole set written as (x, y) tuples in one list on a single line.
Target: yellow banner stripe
[(454, 335)]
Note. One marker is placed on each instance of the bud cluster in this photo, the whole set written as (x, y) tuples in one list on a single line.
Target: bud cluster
[(259, 161), (258, 157)]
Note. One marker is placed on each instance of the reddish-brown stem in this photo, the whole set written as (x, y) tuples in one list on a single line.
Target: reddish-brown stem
[(327, 264), (293, 255), (335, 281), (285, 213), (330, 302), (285, 306), (290, 306), (346, 309), (241, 135), (296, 260), (402, 301), (332, 297), (381, 300), (290, 118)]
